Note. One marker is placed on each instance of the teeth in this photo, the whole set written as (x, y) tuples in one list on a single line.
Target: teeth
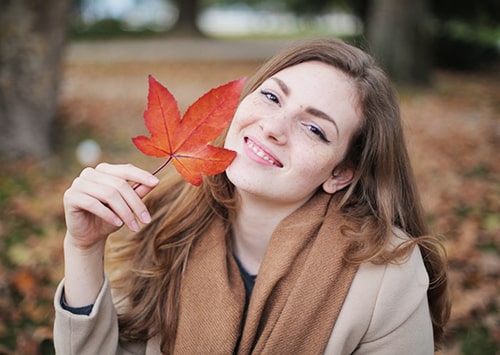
[(260, 152)]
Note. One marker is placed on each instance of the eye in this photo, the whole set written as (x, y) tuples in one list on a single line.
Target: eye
[(270, 96), (317, 131)]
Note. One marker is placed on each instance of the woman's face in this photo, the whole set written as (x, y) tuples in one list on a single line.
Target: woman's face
[(291, 132)]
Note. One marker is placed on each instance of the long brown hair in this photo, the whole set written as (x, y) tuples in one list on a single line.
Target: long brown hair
[(382, 196)]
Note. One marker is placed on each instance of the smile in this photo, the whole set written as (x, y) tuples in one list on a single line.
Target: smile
[(261, 153)]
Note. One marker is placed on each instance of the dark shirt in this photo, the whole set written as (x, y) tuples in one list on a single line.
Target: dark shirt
[(248, 279), (85, 310)]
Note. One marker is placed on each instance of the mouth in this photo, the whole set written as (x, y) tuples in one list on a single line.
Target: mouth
[(261, 153)]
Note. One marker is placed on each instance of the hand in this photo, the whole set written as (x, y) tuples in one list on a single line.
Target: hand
[(101, 200)]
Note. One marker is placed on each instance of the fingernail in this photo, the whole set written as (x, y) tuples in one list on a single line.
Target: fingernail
[(145, 217), (118, 222), (153, 180), (134, 226)]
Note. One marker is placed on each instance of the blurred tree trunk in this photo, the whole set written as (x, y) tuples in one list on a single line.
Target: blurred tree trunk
[(32, 39), (187, 23), (397, 31), (360, 8)]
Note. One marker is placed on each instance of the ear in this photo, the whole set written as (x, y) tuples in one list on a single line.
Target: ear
[(340, 178)]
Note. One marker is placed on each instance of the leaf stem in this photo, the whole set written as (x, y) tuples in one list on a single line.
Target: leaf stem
[(157, 170), (162, 166)]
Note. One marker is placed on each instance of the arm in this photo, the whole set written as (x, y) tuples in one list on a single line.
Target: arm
[(385, 312), (401, 322), (98, 202), (96, 333)]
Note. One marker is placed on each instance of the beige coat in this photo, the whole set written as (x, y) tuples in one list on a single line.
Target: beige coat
[(385, 313)]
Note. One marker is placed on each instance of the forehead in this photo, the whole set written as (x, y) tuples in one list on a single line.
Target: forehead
[(314, 72)]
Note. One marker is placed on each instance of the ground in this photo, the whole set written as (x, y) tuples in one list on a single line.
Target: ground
[(453, 135)]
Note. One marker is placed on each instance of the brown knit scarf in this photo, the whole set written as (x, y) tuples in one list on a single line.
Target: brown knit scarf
[(299, 291)]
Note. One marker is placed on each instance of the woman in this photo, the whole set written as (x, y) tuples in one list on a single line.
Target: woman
[(312, 241)]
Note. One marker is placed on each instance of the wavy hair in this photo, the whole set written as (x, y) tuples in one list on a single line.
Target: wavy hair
[(382, 196)]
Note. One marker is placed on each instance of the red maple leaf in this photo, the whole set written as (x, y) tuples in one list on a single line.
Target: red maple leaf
[(187, 141)]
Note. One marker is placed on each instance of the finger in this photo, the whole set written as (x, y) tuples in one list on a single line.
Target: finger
[(129, 172), (121, 199), (86, 203), (143, 181), (115, 177), (88, 196)]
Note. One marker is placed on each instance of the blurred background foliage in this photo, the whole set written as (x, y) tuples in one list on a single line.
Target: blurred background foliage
[(73, 87), (464, 34)]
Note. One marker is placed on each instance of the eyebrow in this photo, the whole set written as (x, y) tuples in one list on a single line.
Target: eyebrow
[(311, 110)]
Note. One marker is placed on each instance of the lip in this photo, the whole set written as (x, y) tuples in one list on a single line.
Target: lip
[(260, 154)]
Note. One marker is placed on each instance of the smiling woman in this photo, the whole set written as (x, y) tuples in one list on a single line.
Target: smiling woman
[(312, 241)]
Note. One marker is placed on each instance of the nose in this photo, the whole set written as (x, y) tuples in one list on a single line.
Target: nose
[(274, 128)]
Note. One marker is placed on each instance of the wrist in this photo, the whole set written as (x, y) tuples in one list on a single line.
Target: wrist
[(75, 246), (83, 272)]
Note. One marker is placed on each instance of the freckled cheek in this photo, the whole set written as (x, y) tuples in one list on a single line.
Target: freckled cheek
[(250, 110), (242, 118), (239, 120), (318, 162)]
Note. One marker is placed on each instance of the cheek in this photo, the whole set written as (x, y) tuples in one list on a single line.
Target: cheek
[(236, 126), (241, 117), (231, 135), (246, 115), (320, 161)]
